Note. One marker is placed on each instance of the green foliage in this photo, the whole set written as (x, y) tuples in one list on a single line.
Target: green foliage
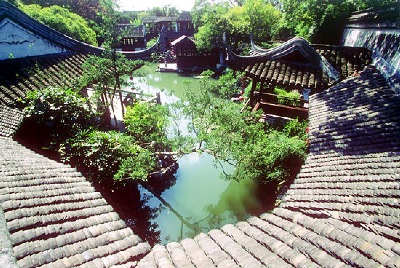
[(106, 75), (235, 135), (59, 113), (137, 166), (263, 19), (147, 122), (151, 42), (164, 11), (237, 22), (210, 25), (296, 128), (230, 83), (287, 97), (86, 8), (110, 154), (271, 156), (320, 21), (62, 20), (108, 70)]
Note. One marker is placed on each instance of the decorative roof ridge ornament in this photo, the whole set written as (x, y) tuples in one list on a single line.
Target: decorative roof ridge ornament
[(283, 52)]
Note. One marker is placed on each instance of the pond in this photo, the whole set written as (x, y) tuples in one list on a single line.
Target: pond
[(196, 199)]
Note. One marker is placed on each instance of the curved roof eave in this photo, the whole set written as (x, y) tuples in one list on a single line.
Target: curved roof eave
[(11, 12), (298, 44), (7, 10)]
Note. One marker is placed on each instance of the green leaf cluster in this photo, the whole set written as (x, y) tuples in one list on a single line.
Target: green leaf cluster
[(237, 21), (147, 123), (88, 9), (233, 134), (121, 155), (287, 97), (62, 20), (229, 83), (59, 113), (109, 154), (320, 21)]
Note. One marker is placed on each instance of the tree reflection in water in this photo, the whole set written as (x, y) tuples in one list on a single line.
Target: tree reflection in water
[(132, 208), (178, 206)]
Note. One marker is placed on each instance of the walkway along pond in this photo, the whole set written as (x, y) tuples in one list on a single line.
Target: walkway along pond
[(195, 199)]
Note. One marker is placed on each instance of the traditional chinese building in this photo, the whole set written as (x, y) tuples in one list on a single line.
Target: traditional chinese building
[(342, 210), (188, 58), (176, 26), (134, 37), (300, 67)]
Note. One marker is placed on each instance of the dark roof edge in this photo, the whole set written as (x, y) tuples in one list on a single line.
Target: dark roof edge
[(10, 11), (296, 43), (72, 45)]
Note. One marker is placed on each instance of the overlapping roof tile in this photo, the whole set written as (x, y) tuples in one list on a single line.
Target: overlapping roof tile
[(55, 218), (18, 76), (341, 211), (293, 74)]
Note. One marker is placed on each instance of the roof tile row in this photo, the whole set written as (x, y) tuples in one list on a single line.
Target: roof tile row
[(341, 211), (55, 217), (18, 76), (294, 75)]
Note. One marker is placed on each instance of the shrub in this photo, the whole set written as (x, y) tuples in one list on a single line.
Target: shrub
[(104, 155), (147, 122), (287, 97), (58, 114), (62, 20)]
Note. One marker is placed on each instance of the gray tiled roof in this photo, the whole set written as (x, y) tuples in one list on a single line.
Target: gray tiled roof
[(18, 76), (55, 218), (343, 208), (297, 75), (341, 211)]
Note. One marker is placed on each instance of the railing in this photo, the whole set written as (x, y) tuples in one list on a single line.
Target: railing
[(285, 107)]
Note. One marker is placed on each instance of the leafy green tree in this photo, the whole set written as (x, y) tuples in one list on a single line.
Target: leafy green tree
[(263, 19), (62, 20), (210, 26), (57, 114), (147, 123), (233, 134), (238, 21), (106, 72), (111, 154), (320, 21), (88, 9), (164, 11)]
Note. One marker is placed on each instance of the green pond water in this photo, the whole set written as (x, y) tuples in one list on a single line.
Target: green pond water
[(196, 198)]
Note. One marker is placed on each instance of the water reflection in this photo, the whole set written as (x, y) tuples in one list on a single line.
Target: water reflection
[(197, 186), (194, 199), (132, 207)]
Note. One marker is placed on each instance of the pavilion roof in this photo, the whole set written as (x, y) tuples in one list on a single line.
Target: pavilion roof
[(343, 208), (317, 68)]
